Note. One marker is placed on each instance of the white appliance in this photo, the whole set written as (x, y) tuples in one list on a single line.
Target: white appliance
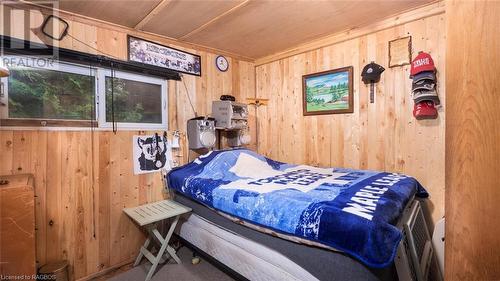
[(415, 260), (201, 133), (230, 114)]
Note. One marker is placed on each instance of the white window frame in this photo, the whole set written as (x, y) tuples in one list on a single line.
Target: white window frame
[(101, 77), (4, 98)]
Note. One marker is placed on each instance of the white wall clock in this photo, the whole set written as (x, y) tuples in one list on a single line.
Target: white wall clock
[(222, 63)]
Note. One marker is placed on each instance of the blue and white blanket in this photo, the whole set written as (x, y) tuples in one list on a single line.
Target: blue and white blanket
[(349, 210)]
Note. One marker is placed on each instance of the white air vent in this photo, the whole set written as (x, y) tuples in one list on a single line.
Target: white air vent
[(415, 253)]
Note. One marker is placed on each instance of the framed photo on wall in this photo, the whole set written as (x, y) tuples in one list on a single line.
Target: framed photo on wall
[(400, 52), (147, 52), (328, 92)]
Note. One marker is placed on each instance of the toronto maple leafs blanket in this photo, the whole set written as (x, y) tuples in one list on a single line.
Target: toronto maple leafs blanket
[(353, 211)]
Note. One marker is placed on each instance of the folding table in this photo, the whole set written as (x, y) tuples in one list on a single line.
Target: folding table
[(149, 216)]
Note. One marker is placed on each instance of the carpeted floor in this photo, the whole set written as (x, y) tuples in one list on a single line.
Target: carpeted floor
[(172, 271)]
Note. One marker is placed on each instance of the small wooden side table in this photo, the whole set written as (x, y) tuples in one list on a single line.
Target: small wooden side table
[(149, 215)]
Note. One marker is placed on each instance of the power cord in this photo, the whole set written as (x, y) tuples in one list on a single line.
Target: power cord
[(187, 94)]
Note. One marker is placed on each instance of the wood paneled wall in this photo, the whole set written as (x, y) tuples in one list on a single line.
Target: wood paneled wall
[(83, 180), (473, 141), (81, 187), (383, 135)]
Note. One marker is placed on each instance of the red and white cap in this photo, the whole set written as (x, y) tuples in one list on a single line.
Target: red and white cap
[(422, 62), (425, 110)]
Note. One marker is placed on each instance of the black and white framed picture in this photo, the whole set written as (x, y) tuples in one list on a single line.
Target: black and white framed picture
[(147, 52), (151, 153)]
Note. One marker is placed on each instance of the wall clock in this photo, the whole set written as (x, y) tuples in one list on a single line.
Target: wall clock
[(222, 63)]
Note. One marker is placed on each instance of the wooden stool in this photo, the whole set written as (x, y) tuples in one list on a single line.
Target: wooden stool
[(150, 215)]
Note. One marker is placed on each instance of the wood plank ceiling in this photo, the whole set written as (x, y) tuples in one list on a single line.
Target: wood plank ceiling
[(250, 28)]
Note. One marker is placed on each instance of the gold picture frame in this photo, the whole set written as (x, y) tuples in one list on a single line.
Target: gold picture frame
[(400, 52)]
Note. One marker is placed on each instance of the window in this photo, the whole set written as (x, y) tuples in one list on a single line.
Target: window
[(63, 94), (136, 100), (58, 91)]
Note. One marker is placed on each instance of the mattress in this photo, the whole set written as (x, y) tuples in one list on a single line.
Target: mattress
[(259, 256), (249, 259), (352, 211)]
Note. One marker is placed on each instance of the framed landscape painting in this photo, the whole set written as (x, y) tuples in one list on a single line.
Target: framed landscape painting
[(328, 92)]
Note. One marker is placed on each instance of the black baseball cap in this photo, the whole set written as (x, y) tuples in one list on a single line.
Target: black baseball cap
[(371, 73)]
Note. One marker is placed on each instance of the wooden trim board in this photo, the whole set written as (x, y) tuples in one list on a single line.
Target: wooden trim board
[(14, 122), (163, 4), (203, 26), (107, 270)]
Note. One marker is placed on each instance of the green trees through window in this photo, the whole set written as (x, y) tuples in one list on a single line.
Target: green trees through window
[(50, 94), (75, 92), (134, 101)]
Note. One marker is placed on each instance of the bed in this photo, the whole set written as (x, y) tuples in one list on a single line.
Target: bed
[(316, 223)]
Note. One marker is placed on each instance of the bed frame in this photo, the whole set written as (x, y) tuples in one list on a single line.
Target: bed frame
[(222, 267)]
